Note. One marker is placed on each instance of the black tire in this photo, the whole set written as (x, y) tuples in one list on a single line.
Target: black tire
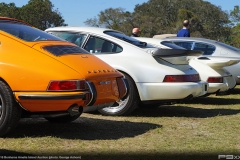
[(126, 106), (63, 119), (10, 111)]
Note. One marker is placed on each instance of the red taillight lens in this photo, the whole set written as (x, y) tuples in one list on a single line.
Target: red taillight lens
[(70, 85), (215, 80), (182, 78)]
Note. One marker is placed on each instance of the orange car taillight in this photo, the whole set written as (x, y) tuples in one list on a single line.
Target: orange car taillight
[(182, 78), (67, 85), (215, 80)]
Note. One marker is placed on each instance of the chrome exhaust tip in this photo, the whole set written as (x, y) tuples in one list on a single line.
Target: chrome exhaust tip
[(75, 110)]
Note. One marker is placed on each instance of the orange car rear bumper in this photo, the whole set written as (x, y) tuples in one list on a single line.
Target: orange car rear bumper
[(50, 101)]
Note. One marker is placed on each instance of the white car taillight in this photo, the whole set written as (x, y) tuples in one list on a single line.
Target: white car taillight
[(182, 78), (215, 80)]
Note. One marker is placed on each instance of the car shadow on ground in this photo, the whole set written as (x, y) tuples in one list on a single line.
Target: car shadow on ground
[(82, 128), (235, 91), (5, 152), (214, 101), (182, 111)]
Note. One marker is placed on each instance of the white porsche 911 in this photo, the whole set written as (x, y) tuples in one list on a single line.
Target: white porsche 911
[(211, 69), (210, 48), (154, 76)]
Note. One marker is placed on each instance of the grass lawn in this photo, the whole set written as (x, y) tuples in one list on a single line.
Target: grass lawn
[(200, 129)]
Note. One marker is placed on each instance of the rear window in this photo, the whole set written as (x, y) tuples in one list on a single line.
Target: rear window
[(127, 38), (171, 45), (76, 38), (187, 45), (206, 48), (59, 50), (25, 32)]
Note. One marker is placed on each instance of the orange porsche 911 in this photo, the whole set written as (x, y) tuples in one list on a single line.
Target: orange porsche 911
[(43, 76)]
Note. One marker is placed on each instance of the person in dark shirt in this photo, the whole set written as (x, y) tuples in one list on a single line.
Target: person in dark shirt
[(184, 32), (135, 32)]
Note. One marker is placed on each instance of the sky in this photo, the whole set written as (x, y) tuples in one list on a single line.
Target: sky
[(75, 12)]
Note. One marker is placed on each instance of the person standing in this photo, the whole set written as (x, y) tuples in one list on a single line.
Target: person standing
[(135, 32), (184, 32)]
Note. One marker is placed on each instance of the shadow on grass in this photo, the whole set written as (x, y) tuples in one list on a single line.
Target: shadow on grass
[(214, 101), (182, 111), (82, 128), (235, 91), (4, 152)]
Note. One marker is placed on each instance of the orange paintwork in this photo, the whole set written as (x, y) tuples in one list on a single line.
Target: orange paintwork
[(48, 105), (27, 68)]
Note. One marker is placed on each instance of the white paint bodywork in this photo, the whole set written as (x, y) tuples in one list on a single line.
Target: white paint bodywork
[(146, 71), (221, 50), (206, 70), (212, 67)]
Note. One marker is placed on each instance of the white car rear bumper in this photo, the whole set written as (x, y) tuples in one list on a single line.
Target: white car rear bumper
[(228, 83), (217, 87), (168, 91)]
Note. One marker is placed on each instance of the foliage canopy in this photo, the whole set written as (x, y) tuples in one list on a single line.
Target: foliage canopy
[(39, 13), (166, 17)]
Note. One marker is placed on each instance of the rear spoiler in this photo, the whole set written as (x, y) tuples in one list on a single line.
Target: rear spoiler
[(175, 53), (218, 58), (219, 62)]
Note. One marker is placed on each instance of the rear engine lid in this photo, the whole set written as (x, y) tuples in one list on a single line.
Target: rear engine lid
[(78, 59)]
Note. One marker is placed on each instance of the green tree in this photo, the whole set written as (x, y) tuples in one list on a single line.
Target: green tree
[(155, 17), (235, 14), (166, 16), (94, 22), (9, 10), (236, 36), (235, 17), (111, 18), (41, 14), (196, 27)]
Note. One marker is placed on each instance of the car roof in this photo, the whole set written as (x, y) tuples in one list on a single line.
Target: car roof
[(164, 36), (14, 20), (191, 39), (96, 30)]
